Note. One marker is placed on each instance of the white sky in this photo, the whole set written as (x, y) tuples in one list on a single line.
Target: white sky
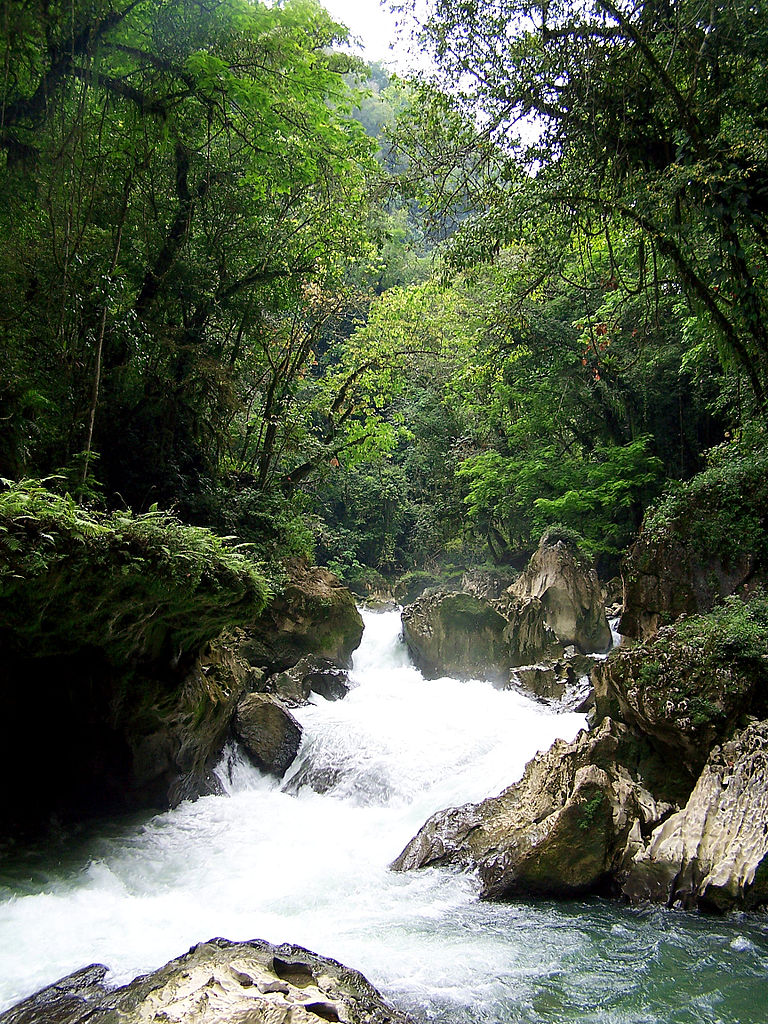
[(375, 26)]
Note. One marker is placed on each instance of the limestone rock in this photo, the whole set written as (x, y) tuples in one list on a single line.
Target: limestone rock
[(713, 854), (565, 828), (487, 585), (527, 634), (268, 732), (314, 615), (458, 635), (217, 982), (668, 576), (681, 692), (570, 595)]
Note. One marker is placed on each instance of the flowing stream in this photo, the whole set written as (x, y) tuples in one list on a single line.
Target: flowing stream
[(279, 861)]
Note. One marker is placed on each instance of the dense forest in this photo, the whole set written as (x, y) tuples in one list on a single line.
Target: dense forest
[(387, 325)]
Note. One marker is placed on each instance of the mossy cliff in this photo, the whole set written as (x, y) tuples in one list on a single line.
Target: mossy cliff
[(126, 643), (704, 540)]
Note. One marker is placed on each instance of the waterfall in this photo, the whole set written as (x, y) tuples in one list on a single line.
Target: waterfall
[(305, 859)]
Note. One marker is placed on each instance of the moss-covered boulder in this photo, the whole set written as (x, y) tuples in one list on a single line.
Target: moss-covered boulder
[(127, 642), (137, 588), (706, 539), (691, 685), (458, 635), (314, 614)]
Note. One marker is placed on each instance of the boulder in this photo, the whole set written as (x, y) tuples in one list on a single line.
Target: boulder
[(216, 982), (566, 828), (314, 615), (268, 732), (713, 854), (458, 635), (310, 675), (684, 689), (567, 586)]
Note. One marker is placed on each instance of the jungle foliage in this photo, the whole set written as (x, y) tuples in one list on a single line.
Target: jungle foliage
[(402, 325)]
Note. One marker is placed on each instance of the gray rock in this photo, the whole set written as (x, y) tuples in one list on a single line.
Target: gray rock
[(713, 854), (216, 982), (268, 732), (569, 591), (458, 635)]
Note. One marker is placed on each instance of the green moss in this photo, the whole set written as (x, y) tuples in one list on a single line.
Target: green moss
[(130, 585)]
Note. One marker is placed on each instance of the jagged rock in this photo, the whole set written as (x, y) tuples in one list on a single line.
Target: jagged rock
[(713, 854), (570, 595), (540, 680), (565, 828), (458, 635), (487, 585), (310, 675), (216, 982), (527, 634), (556, 601), (268, 732)]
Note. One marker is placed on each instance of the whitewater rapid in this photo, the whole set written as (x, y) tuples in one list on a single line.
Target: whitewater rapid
[(275, 860)]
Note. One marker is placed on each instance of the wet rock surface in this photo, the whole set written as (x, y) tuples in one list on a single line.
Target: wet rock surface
[(268, 733), (217, 982), (566, 828)]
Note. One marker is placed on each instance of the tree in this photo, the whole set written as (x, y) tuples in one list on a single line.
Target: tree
[(649, 118), (178, 178)]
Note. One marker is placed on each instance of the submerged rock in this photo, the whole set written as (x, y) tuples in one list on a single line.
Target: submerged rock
[(216, 982), (268, 732), (713, 854)]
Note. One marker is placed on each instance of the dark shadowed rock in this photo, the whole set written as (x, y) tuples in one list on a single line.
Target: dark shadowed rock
[(310, 675), (668, 576), (268, 732)]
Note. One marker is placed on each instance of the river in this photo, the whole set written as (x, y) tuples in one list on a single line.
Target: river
[(279, 861)]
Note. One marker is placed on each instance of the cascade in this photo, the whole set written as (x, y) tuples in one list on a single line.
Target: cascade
[(304, 860)]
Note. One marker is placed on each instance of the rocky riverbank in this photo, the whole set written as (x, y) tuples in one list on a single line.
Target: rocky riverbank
[(664, 798), (128, 645)]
